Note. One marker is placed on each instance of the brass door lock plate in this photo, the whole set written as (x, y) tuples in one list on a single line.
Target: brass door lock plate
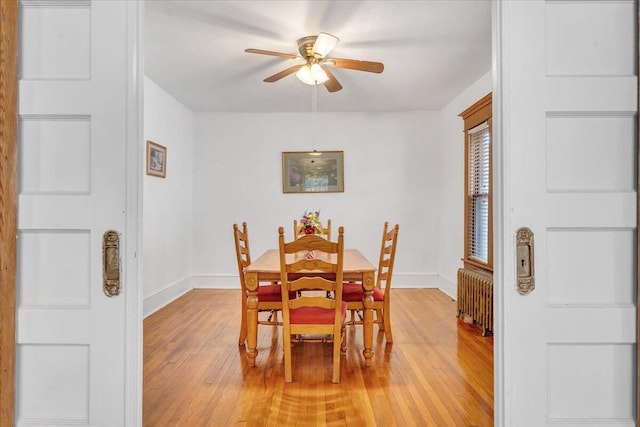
[(524, 263), (111, 263)]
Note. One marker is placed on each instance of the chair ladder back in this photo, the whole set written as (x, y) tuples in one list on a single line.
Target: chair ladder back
[(314, 301), (243, 258), (387, 256), (328, 262), (312, 242), (243, 253)]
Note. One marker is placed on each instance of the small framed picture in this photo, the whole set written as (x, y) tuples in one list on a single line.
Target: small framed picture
[(313, 172), (156, 159)]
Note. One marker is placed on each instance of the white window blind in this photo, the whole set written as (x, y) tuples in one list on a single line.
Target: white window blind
[(478, 193)]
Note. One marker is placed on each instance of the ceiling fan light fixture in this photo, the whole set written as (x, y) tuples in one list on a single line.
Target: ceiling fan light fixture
[(324, 43), (312, 74)]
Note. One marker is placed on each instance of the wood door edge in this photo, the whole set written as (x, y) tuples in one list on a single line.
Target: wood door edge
[(8, 204)]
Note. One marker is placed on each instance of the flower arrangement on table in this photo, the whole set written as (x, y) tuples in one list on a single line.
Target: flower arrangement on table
[(310, 223)]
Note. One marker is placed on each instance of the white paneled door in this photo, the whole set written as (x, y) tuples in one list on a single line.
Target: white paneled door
[(77, 348), (569, 148)]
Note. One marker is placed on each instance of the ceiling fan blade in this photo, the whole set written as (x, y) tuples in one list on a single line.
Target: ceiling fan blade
[(354, 64), (324, 43), (332, 85), (283, 73), (269, 52)]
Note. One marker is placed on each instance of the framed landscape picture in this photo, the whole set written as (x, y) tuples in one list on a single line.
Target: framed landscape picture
[(313, 172), (156, 159)]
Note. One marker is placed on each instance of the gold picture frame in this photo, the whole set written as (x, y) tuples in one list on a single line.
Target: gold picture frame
[(156, 159), (313, 172)]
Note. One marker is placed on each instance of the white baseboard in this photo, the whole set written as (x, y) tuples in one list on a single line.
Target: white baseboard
[(169, 294), (448, 286), (216, 281), (414, 280)]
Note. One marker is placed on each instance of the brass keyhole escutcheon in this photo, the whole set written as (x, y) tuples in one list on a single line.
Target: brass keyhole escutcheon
[(524, 266), (111, 263)]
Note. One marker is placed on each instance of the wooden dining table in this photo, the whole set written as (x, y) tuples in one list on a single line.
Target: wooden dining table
[(266, 268)]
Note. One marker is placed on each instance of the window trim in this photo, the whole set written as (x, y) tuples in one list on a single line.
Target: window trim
[(475, 115)]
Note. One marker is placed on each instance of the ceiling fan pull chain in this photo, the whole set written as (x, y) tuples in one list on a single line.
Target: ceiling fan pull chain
[(315, 121)]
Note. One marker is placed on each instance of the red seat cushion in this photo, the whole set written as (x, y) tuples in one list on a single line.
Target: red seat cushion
[(353, 292), (272, 293), (318, 315)]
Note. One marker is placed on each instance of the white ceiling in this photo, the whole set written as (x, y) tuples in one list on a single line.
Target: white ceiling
[(431, 51)]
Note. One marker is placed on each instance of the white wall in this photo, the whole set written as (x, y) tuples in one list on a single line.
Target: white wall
[(167, 242), (450, 233), (391, 163)]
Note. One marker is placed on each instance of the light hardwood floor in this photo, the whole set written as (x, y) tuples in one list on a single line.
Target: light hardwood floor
[(437, 372)]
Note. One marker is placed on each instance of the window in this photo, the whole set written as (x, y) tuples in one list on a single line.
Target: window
[(478, 230)]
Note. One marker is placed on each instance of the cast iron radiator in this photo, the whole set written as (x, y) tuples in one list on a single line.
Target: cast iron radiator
[(475, 298)]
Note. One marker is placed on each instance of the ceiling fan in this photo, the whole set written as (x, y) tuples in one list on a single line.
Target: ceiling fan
[(315, 69)]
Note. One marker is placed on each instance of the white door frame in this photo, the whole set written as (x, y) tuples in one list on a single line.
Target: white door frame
[(638, 224), (500, 253), (133, 233)]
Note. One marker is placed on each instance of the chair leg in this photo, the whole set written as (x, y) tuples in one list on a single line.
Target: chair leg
[(387, 325), (381, 319), (286, 344), (243, 327), (343, 340), (337, 343)]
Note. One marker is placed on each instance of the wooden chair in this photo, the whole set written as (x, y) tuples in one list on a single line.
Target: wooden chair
[(326, 234), (269, 296), (315, 313), (352, 292)]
